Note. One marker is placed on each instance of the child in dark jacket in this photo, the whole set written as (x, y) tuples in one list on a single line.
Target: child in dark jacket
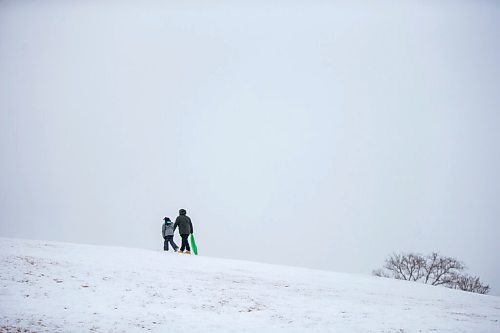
[(167, 231)]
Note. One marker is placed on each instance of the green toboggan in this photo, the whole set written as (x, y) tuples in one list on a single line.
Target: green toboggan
[(193, 245)]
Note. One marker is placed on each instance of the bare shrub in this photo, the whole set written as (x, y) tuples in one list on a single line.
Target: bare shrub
[(469, 283), (433, 269)]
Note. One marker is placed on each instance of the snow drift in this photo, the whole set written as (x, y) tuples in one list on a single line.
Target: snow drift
[(59, 287)]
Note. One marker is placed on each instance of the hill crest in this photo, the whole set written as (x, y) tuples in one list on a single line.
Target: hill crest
[(61, 287)]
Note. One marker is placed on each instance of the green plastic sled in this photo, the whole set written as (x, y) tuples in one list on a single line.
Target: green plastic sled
[(193, 245)]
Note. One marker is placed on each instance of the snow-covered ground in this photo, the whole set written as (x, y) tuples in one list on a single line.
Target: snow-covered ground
[(59, 287)]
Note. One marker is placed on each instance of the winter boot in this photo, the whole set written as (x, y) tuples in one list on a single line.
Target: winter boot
[(187, 252)]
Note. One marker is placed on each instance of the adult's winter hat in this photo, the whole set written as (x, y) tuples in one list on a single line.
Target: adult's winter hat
[(166, 219), (182, 212)]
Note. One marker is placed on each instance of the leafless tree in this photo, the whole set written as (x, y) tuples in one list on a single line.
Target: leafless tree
[(406, 266), (433, 269), (441, 270)]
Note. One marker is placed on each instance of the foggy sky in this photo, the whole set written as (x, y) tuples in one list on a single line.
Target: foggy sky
[(316, 134)]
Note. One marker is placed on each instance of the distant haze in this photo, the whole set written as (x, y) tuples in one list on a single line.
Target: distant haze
[(318, 134)]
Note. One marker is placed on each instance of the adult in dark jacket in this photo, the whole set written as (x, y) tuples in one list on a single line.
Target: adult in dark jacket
[(185, 228)]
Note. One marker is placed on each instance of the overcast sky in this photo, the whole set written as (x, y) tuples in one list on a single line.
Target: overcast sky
[(309, 133)]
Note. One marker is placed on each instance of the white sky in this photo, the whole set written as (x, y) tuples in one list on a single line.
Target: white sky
[(312, 134)]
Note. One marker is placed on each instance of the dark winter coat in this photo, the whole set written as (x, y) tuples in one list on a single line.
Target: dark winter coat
[(167, 229), (184, 224)]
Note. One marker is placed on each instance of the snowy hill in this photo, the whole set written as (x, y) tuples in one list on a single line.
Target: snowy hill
[(58, 287)]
